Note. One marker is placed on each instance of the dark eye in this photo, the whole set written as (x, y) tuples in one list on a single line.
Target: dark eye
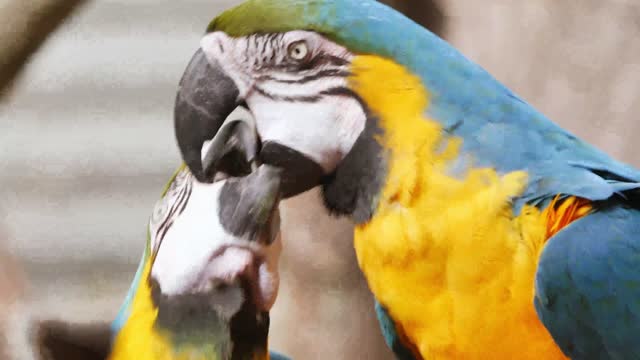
[(298, 51), (160, 211)]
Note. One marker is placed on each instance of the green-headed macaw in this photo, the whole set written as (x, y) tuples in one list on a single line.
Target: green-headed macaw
[(209, 273), (485, 231)]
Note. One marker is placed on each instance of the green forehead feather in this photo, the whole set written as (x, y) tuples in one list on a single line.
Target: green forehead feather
[(267, 16), (363, 26), (339, 20)]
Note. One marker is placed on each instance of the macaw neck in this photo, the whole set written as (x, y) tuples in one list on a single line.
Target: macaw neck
[(144, 336)]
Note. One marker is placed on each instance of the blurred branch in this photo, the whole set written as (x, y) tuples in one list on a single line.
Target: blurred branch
[(26, 24), (427, 13)]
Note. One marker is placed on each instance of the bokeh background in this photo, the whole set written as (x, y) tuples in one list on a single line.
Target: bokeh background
[(86, 145)]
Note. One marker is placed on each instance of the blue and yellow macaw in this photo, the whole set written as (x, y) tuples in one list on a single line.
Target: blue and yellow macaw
[(485, 231), (206, 282), (209, 273)]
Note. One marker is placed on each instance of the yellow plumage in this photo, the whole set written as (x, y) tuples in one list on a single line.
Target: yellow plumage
[(444, 254), (139, 339)]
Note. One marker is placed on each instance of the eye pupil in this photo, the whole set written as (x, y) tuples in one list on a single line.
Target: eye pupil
[(298, 50)]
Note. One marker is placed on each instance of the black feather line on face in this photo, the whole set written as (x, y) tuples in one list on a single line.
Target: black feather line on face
[(322, 74), (304, 99), (273, 42), (335, 91), (177, 208), (325, 60), (346, 92), (318, 61)]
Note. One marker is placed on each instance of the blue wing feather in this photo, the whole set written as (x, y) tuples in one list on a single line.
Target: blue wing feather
[(588, 281), (391, 335), (588, 285), (125, 308), (277, 356), (472, 104)]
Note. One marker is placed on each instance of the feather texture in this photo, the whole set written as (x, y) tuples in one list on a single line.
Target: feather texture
[(588, 288), (464, 99), (475, 174), (458, 292)]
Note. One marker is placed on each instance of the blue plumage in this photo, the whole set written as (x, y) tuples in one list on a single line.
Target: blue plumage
[(499, 129), (125, 309), (588, 288), (588, 281), (390, 334), (277, 356)]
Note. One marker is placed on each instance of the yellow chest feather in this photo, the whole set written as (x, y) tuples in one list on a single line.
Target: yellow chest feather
[(444, 254)]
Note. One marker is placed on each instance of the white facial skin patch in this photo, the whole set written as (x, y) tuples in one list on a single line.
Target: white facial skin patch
[(195, 254), (295, 85)]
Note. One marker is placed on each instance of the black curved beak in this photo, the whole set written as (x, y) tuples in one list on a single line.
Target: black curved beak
[(204, 110), (206, 96)]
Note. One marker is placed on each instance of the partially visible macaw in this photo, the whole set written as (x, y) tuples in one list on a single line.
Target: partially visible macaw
[(485, 230), (209, 273)]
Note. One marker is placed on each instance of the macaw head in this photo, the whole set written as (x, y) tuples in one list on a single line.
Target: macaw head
[(305, 70), (209, 275)]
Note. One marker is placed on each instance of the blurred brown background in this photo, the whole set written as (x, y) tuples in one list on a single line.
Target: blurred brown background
[(86, 144)]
